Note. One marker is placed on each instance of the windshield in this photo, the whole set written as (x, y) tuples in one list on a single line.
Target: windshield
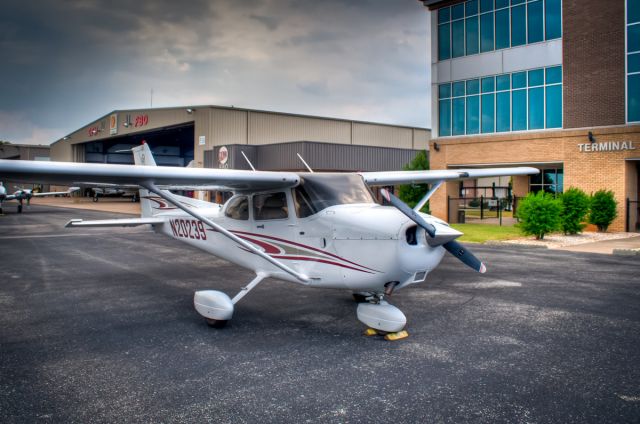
[(318, 192)]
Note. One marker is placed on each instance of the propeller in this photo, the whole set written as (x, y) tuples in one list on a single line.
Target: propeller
[(453, 247)]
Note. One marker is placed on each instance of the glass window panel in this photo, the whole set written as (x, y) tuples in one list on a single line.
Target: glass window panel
[(536, 77), (457, 11), (488, 117), (633, 11), (458, 117), (457, 39), (486, 5), (560, 180), (501, 3), (473, 87), (634, 63), (473, 115), (486, 32), (553, 22), (535, 179), (471, 7), (518, 26), (554, 106), (503, 111), (488, 85), (444, 124), (502, 29), (554, 75), (503, 82), (444, 91), (633, 97), (633, 39), (444, 42), (534, 22), (458, 89), (549, 176), (472, 35), (514, 2), (519, 109), (444, 15), (519, 80), (536, 108)]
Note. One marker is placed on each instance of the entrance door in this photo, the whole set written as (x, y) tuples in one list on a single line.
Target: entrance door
[(274, 224)]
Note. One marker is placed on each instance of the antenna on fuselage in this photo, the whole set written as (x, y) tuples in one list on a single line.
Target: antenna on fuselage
[(305, 163), (248, 161)]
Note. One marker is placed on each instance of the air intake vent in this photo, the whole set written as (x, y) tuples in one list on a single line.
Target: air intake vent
[(411, 235), (419, 276)]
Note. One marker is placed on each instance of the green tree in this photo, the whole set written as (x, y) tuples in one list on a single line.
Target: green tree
[(411, 194), (604, 209), (575, 208), (539, 214)]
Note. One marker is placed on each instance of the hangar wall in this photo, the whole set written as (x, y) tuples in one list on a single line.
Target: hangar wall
[(217, 125)]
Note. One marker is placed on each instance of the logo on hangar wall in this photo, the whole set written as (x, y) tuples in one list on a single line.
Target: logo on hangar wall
[(223, 156)]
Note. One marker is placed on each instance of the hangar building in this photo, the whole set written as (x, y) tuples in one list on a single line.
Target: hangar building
[(553, 84), (216, 137)]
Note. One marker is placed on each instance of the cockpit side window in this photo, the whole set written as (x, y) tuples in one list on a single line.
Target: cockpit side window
[(238, 208), (270, 206)]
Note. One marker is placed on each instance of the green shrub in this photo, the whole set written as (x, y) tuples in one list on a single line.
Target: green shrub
[(474, 203), (604, 209), (575, 208), (539, 214)]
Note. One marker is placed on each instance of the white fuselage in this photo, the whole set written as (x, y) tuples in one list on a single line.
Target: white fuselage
[(356, 246)]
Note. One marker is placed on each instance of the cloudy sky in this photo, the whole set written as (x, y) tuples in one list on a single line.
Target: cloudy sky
[(64, 63)]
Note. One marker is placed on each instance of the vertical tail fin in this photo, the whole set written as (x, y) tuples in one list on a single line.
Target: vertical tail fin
[(142, 156)]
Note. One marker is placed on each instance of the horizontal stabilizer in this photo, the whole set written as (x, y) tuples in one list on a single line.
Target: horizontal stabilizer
[(126, 222)]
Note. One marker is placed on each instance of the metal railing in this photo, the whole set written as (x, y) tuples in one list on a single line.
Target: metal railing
[(488, 210)]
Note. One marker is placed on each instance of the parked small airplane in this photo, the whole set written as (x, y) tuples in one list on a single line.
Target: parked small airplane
[(322, 230), (26, 194)]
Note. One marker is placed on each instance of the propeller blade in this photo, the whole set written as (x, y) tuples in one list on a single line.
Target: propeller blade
[(465, 255), (411, 214)]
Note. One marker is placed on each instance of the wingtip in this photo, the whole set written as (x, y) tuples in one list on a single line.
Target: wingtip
[(482, 269)]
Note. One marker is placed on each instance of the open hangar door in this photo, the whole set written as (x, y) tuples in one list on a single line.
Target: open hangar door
[(171, 146)]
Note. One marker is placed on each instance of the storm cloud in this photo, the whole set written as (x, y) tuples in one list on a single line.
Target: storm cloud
[(66, 63)]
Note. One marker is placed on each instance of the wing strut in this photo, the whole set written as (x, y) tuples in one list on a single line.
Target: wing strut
[(166, 195), (427, 196)]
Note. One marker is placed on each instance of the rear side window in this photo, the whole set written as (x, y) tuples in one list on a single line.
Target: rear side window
[(238, 208), (270, 206)]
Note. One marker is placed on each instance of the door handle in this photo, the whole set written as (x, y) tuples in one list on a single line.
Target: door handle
[(260, 226)]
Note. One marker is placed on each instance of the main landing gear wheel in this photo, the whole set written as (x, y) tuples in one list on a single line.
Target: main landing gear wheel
[(95, 198), (216, 323)]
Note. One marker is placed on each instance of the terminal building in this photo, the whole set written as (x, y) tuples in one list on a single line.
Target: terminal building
[(217, 137), (553, 84)]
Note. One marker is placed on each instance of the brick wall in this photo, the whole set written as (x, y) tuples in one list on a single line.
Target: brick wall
[(593, 59), (590, 171)]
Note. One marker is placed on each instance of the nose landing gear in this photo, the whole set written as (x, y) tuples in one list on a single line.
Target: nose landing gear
[(381, 318)]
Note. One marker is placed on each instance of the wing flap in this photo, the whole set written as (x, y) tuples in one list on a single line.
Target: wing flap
[(125, 222), (422, 177)]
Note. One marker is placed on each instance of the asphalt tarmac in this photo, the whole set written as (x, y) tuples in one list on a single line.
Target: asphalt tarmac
[(97, 325)]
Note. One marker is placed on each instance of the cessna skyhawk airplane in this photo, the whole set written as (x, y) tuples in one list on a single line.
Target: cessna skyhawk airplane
[(26, 194), (321, 230)]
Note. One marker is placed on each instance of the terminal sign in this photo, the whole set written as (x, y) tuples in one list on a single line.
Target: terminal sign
[(606, 146)]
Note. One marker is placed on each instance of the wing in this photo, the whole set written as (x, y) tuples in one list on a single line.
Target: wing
[(68, 172), (55, 193), (421, 177)]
